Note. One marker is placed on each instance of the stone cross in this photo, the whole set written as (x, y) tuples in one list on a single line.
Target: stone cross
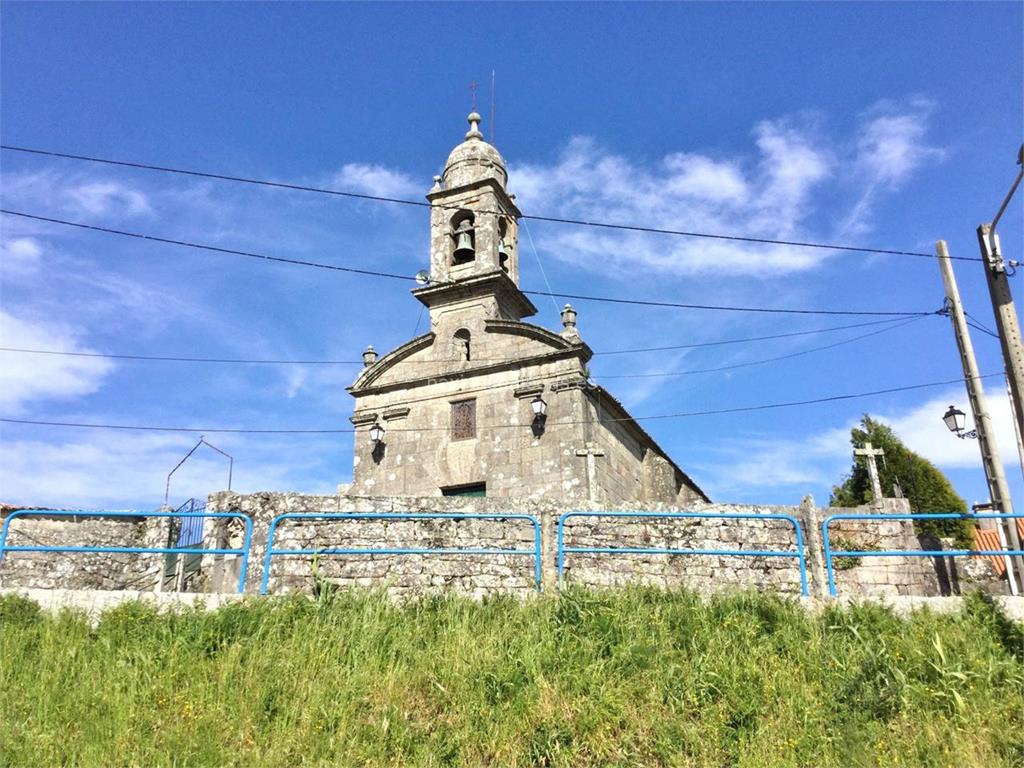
[(591, 452), (871, 452)]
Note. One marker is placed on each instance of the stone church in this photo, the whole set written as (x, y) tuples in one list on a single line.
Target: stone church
[(485, 404)]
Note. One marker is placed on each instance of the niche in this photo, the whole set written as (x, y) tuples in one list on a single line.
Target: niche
[(461, 343)]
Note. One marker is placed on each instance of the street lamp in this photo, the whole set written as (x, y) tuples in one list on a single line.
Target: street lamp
[(955, 420)]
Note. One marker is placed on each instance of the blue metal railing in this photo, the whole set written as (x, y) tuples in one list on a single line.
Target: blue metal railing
[(271, 552), (242, 551), (798, 554), (831, 553)]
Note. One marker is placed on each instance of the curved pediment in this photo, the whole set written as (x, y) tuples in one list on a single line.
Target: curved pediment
[(529, 331), (391, 359)]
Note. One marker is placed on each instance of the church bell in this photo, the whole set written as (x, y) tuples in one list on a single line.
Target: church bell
[(464, 250)]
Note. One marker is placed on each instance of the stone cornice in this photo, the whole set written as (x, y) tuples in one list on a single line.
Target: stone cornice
[(494, 283), (540, 334), (506, 200), (467, 373)]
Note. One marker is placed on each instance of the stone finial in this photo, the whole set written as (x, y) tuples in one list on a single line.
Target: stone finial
[(369, 356), (569, 322), (568, 317), (474, 126)]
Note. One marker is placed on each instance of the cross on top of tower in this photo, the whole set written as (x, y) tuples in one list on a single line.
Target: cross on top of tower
[(472, 87)]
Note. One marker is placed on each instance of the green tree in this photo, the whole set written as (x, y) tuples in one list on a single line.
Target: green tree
[(922, 483)]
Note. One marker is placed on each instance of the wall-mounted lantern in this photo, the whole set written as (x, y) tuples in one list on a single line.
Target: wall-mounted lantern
[(376, 434), (540, 408), (955, 421)]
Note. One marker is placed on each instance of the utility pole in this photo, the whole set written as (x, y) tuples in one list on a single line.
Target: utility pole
[(998, 490), (876, 484), (1007, 324)]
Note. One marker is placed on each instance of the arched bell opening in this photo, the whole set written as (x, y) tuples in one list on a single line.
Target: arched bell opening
[(504, 246), (463, 234)]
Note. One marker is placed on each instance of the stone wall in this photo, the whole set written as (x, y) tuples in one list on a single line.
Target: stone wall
[(481, 574), (82, 570)]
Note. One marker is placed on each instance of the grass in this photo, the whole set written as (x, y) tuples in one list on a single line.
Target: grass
[(638, 677)]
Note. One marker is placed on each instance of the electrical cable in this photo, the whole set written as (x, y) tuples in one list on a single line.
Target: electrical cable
[(264, 361), (683, 414), (202, 247), (374, 273), (978, 325), (700, 344), (762, 361), (421, 204)]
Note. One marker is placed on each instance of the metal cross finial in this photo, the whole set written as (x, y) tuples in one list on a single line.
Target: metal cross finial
[(472, 87)]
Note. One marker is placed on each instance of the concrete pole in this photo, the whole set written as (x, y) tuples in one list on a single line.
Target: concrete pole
[(1016, 430), (999, 492), (1007, 325)]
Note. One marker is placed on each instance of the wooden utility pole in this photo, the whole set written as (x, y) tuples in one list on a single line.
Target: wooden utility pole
[(876, 484), (999, 492)]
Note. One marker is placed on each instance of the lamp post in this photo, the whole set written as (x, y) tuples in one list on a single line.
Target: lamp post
[(955, 421)]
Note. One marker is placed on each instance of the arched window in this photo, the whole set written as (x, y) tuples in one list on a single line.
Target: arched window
[(461, 343)]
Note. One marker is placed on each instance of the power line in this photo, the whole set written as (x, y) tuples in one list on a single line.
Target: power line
[(700, 344), (681, 415), (421, 204), (214, 248), (978, 325), (981, 328), (762, 361), (270, 361), (374, 273)]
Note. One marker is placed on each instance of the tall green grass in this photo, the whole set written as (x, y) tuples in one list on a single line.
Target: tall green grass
[(630, 678)]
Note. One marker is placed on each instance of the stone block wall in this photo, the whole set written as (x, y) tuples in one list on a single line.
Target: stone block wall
[(466, 574), (481, 574), (78, 570)]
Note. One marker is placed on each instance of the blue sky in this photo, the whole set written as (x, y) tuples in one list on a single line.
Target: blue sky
[(881, 125)]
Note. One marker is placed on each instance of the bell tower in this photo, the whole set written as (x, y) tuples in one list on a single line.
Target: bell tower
[(474, 236)]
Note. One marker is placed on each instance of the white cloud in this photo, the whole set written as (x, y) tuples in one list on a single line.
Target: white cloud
[(25, 378), (101, 197), (113, 469), (376, 180), (923, 431), (295, 379), (20, 256), (892, 145), (755, 463), (767, 192)]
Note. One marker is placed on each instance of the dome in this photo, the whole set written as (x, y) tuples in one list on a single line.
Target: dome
[(474, 159)]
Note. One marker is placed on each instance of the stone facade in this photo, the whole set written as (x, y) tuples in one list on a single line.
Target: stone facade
[(457, 404)]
